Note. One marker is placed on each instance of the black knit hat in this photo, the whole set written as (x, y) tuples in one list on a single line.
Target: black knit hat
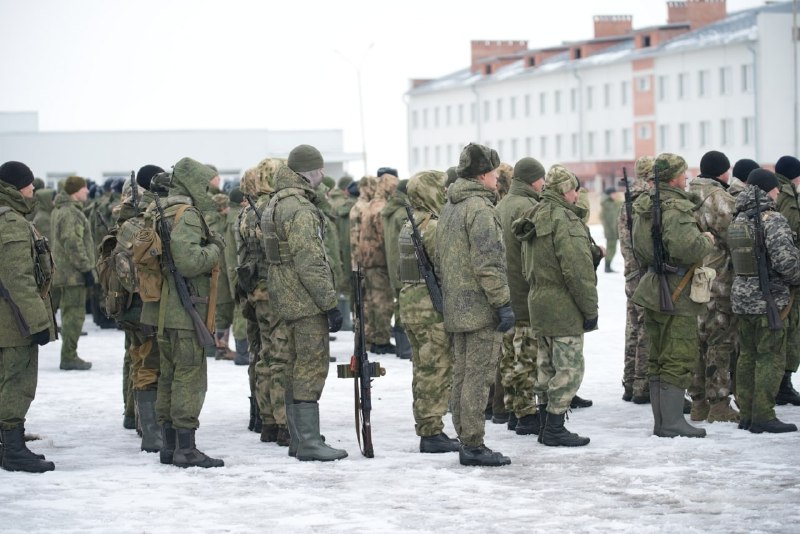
[(714, 163), (788, 166), (352, 189), (16, 173), (764, 179), (742, 168), (387, 170), (236, 196), (145, 175)]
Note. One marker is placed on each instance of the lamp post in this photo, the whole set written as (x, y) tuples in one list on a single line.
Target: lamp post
[(357, 68)]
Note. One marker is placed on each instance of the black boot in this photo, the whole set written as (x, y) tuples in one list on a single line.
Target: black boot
[(528, 424), (186, 453), (500, 418), (242, 352), (385, 348), (787, 394), (555, 434), (167, 443), (578, 402), (151, 433), (283, 438), (482, 456), (541, 411), (25, 446), (16, 457), (438, 443), (403, 344), (269, 433), (512, 421), (251, 426), (775, 426)]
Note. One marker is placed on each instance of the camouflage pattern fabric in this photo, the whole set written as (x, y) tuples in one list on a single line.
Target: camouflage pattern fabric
[(560, 367), (270, 367), (341, 206), (520, 377), (673, 347), (183, 382), (309, 354), (366, 189), (505, 175), (73, 246), (73, 314), (503, 396), (394, 216), (609, 213), (762, 359), (789, 206), (378, 305), (44, 210), (19, 372), (432, 377)]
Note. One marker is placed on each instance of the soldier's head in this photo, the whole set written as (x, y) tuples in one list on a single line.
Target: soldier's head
[(215, 181), (426, 191), (452, 176), (788, 166), (505, 173), (530, 172), (76, 188), (248, 182), (765, 180), (307, 161), (366, 187), (264, 179), (344, 181), (715, 164), (671, 169), (742, 168), (19, 175), (221, 202), (145, 175), (561, 180), (479, 163), (352, 190), (38, 183)]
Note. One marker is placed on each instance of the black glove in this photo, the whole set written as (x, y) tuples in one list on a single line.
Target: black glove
[(505, 316), (334, 320), (218, 240), (41, 338), (590, 324), (88, 279)]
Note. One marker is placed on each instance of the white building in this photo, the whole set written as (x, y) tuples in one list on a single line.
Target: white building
[(704, 80), (98, 155)]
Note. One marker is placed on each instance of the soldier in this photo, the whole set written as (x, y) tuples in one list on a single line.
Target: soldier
[(558, 260), (394, 217), (477, 305), (787, 169), (26, 320), (217, 221), (195, 251), (518, 365), (609, 212), (762, 357), (741, 170), (711, 384), (239, 325), (330, 234), (672, 335), (44, 209), (74, 256), (301, 288), (342, 201)]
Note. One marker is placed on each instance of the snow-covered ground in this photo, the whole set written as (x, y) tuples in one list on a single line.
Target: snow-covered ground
[(625, 480)]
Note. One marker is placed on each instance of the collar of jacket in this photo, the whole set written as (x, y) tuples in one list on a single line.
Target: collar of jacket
[(720, 182), (464, 188), (558, 198), (11, 197), (676, 192), (520, 188)]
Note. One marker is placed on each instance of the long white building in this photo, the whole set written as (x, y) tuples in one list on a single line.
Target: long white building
[(704, 80)]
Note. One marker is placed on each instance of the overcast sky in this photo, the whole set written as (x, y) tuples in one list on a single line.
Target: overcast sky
[(203, 64)]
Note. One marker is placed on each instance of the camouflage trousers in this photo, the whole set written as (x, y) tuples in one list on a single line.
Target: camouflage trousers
[(183, 382), (378, 305), (73, 314), (127, 380), (793, 337), (560, 367), (519, 370), (239, 325), (432, 379), (19, 373), (673, 347), (475, 356), (634, 373), (497, 393), (270, 362), (309, 357), (716, 329), (762, 359)]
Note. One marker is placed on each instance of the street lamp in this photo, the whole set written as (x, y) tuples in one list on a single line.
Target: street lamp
[(357, 68)]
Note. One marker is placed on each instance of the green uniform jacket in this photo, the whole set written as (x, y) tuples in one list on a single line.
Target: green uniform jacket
[(520, 198), (609, 211), (394, 216), (17, 272), (341, 206), (231, 226), (471, 257), (44, 208), (557, 258), (73, 245), (789, 204), (303, 285), (683, 242), (218, 223)]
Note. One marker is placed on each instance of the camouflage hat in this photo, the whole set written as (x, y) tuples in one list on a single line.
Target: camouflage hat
[(265, 175), (344, 181), (644, 168), (528, 170), (669, 166), (73, 184), (305, 158), (127, 196), (248, 182), (236, 195), (329, 182), (426, 190), (561, 180), (476, 160), (452, 176), (220, 201)]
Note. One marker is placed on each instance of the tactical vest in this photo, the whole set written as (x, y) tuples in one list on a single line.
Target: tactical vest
[(408, 269), (252, 261), (742, 243), (277, 249)]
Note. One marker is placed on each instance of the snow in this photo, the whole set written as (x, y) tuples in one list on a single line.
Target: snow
[(731, 481)]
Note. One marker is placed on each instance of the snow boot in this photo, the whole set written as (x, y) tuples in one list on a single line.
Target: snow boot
[(438, 443), (745, 424), (15, 455), (384, 348), (283, 438), (151, 433), (673, 422), (254, 415), (186, 453), (403, 344), (787, 394), (75, 364), (541, 411), (774, 426), (655, 403), (499, 418), (242, 352), (481, 456), (555, 434), (721, 411), (311, 445), (578, 402), (627, 393), (269, 433), (167, 444), (512, 421), (700, 409), (528, 424)]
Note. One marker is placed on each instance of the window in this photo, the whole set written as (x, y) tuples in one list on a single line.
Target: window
[(543, 147), (437, 153), (514, 154), (589, 97), (607, 95), (625, 89), (528, 146), (646, 41), (608, 142), (683, 86), (725, 132), (415, 156), (473, 112), (527, 105), (643, 83), (557, 101), (590, 144), (436, 117), (447, 117), (425, 118), (644, 131), (663, 137), (449, 156), (486, 106), (414, 119), (626, 140), (748, 131), (705, 133), (702, 83), (501, 148), (575, 142), (461, 114), (573, 99), (425, 159), (747, 78), (683, 135), (725, 80), (499, 109), (513, 107), (558, 145), (542, 103), (662, 88)]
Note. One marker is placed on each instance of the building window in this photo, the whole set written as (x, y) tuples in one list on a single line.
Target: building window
[(626, 140), (415, 156), (447, 117), (702, 83), (575, 142), (683, 86), (499, 109), (608, 141), (589, 97), (425, 157), (528, 146), (625, 90), (607, 95), (663, 137), (437, 155), (425, 118), (514, 154), (542, 103), (662, 88), (573, 99), (414, 119), (501, 148), (683, 135), (725, 132), (643, 83), (486, 106), (705, 133), (449, 156), (748, 131), (558, 145), (436, 117), (527, 105), (725, 80), (644, 131), (590, 144), (557, 102), (646, 41), (543, 147), (473, 112), (461, 114), (747, 78), (512, 112)]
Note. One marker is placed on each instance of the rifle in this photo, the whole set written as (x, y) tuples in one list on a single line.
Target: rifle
[(628, 203), (134, 192), (425, 267), (660, 265), (773, 315), (362, 370), (253, 205), (22, 325), (203, 335)]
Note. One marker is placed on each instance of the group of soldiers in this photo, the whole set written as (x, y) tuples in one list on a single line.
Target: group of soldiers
[(710, 276)]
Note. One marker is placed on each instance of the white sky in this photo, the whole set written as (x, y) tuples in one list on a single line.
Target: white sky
[(204, 64)]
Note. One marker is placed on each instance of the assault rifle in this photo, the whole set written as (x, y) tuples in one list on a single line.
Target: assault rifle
[(361, 370), (22, 325), (203, 335), (773, 315), (134, 192), (253, 205), (660, 265), (425, 266), (628, 203)]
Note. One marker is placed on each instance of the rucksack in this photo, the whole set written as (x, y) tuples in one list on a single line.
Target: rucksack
[(116, 297), (146, 254)]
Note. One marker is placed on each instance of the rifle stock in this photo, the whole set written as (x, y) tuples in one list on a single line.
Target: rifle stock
[(773, 314)]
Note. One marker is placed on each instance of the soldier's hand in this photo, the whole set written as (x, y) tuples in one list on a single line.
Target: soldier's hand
[(710, 236), (590, 324), (505, 316), (88, 279), (334, 320), (41, 338), (218, 240)]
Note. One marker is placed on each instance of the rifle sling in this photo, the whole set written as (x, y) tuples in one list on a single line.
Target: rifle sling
[(684, 281)]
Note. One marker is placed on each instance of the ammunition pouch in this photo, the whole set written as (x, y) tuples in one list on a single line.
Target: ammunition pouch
[(742, 243), (408, 268)]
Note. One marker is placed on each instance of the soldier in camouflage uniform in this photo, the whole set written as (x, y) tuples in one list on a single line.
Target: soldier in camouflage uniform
[(44, 209), (25, 273), (301, 288), (711, 383), (195, 251), (762, 357), (74, 255), (432, 358), (558, 260), (470, 256), (672, 336), (330, 233), (787, 169), (518, 365), (634, 374), (237, 203), (741, 170), (609, 212), (394, 217), (342, 202)]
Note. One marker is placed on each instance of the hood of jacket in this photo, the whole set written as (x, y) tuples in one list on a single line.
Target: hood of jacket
[(746, 200), (286, 178), (396, 202), (366, 188), (386, 186), (11, 197), (426, 191), (463, 189), (191, 178), (44, 199)]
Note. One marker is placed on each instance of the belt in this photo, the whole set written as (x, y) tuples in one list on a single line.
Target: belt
[(681, 271)]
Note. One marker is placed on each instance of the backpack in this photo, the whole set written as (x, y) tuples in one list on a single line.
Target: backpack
[(146, 255), (116, 297)]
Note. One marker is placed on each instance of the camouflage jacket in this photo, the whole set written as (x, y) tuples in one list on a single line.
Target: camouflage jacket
[(471, 257), (789, 204), (231, 261), (18, 272), (250, 249), (714, 215), (683, 242), (44, 209), (783, 257), (341, 206), (301, 285), (73, 246), (366, 189), (609, 212), (520, 198), (372, 248), (557, 260), (394, 217), (631, 266), (735, 186)]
